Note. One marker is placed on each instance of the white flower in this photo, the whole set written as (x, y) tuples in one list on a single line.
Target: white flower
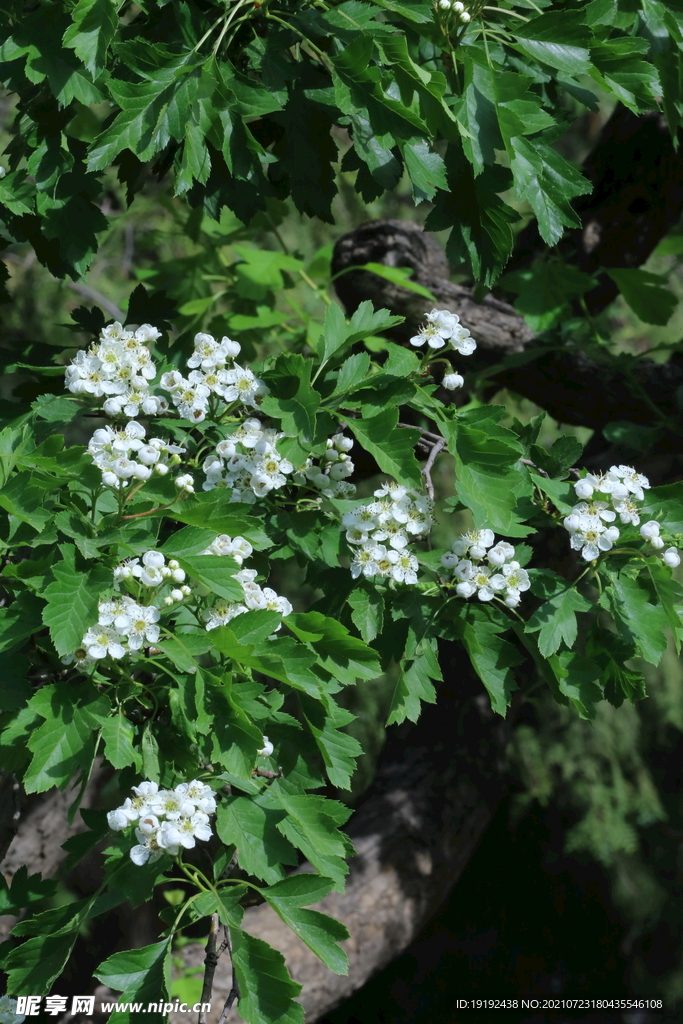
[(438, 329), (101, 641), (185, 482), (513, 579), (147, 851), (267, 748), (595, 508), (593, 537), (118, 819), (650, 530), (671, 558), (499, 554), (484, 583), (628, 511), (634, 482), (8, 1006), (451, 381)]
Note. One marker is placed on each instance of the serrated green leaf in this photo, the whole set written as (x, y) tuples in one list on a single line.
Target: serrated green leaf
[(339, 750), (118, 735), (548, 183), (557, 40), (215, 572), (65, 742), (142, 976), (555, 621), (266, 990), (637, 619), (492, 658), (367, 610), (320, 932), (414, 686), (94, 27), (250, 824), (72, 600), (392, 447)]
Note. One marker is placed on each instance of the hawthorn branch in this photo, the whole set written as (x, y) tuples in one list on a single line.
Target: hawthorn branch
[(234, 993), (426, 472)]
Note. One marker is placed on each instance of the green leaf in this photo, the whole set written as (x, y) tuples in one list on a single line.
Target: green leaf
[(320, 932), (646, 294), (293, 400), (413, 685), (339, 750), (343, 655), (481, 222), (21, 619), (557, 40), (118, 735), (311, 825), (188, 541), (65, 742), (397, 275), (367, 610), (94, 27), (235, 737), (578, 679), (250, 824), (670, 594), (392, 447), (142, 976), (548, 183), (215, 572), (72, 600), (637, 619), (216, 508), (266, 990), (555, 621), (492, 658), (619, 69)]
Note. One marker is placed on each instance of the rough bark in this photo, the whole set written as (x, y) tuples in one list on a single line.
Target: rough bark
[(436, 790), (38, 833)]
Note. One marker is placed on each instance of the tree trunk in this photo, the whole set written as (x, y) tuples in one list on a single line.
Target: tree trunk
[(436, 790)]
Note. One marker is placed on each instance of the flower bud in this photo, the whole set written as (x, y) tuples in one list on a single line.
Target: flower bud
[(583, 489), (650, 530), (671, 558), (452, 381)]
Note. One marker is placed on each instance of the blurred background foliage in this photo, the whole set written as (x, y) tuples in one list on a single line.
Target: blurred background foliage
[(605, 796)]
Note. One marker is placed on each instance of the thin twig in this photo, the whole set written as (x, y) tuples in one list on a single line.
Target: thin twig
[(427, 433), (426, 472), (234, 993), (528, 462), (90, 293), (210, 962)]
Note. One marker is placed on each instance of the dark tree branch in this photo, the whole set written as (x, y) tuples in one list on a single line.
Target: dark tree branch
[(573, 388)]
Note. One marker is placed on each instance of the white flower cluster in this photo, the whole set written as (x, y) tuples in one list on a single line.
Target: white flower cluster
[(209, 376), (120, 367), (457, 8), (255, 597), (8, 1006), (250, 466), (167, 819), (604, 496), (125, 455), (466, 559), (443, 326), (381, 531)]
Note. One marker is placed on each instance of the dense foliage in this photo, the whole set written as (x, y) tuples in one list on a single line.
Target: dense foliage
[(147, 502)]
